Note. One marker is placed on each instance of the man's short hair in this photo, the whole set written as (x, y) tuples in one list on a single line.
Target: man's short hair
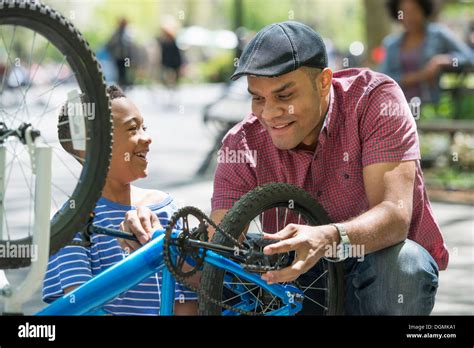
[(63, 120), (312, 73), (427, 7)]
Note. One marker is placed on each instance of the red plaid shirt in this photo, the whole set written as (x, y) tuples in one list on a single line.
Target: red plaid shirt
[(361, 128)]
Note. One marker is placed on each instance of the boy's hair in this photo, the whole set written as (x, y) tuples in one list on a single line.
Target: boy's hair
[(63, 119)]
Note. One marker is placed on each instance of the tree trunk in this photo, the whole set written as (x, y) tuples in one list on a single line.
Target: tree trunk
[(377, 25)]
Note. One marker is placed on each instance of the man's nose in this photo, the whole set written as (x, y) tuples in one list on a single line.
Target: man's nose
[(271, 111)]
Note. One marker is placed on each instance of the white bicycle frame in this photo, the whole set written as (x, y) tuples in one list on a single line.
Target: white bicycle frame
[(14, 296)]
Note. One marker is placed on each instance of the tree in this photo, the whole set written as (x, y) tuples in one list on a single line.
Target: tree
[(377, 24)]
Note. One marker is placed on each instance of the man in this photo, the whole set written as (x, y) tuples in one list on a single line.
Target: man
[(350, 140)]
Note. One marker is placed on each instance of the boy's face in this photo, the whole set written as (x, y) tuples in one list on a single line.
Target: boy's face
[(131, 143)]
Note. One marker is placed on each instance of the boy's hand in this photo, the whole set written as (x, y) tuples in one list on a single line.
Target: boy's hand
[(142, 222)]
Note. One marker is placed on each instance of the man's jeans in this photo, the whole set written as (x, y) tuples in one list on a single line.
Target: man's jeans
[(399, 280)]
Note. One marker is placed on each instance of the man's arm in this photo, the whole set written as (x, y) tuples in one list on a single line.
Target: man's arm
[(216, 216), (389, 189)]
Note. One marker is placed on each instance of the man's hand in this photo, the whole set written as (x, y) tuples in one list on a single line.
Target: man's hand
[(435, 65), (429, 73), (142, 222), (309, 243)]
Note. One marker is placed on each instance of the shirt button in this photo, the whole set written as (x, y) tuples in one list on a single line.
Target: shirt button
[(346, 176), (319, 193)]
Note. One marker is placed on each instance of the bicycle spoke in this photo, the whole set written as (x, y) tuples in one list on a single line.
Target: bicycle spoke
[(316, 302), (55, 85), (31, 78), (32, 198), (54, 108), (259, 295), (269, 305), (9, 115), (311, 288), (51, 94), (66, 166), (10, 171), (258, 300), (24, 176), (27, 165), (314, 281), (58, 156), (36, 70), (41, 62), (8, 57), (242, 293), (13, 70), (20, 161), (60, 190), (259, 229), (6, 222), (31, 55)]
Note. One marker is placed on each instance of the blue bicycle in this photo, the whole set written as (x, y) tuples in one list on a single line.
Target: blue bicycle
[(230, 264)]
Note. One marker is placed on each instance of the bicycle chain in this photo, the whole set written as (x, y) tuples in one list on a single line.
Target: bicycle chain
[(183, 280)]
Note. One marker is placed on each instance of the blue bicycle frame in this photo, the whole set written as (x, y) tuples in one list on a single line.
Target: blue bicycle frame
[(89, 298)]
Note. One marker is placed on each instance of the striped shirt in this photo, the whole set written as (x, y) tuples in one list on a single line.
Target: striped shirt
[(75, 265)]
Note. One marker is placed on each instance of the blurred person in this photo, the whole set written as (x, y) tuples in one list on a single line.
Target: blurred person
[(171, 57), (470, 34), (415, 57), (120, 47)]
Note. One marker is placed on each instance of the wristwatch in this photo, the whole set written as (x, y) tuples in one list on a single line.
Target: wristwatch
[(343, 249)]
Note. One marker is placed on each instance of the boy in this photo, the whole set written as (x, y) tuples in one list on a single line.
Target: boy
[(74, 265)]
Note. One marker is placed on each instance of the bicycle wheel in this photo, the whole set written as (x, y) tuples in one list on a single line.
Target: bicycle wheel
[(268, 209), (44, 63)]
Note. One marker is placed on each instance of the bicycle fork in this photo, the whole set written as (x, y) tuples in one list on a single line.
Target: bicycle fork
[(41, 159)]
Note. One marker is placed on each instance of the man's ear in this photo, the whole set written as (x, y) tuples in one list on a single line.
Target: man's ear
[(323, 82)]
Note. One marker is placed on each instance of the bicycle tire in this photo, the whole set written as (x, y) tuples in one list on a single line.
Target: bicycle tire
[(239, 216), (61, 33)]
